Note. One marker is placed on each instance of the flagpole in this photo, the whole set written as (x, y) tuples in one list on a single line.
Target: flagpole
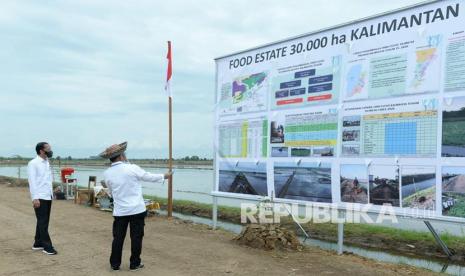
[(170, 161), (170, 132)]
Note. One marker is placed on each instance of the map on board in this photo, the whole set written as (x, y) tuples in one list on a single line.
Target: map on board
[(356, 81), (426, 66), (245, 94)]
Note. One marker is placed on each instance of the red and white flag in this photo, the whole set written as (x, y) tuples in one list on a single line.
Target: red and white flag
[(169, 71)]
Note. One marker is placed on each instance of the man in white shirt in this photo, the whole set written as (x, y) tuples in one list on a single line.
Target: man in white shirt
[(41, 189), (122, 180)]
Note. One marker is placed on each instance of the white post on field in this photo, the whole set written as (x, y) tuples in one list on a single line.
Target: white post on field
[(215, 212), (340, 238)]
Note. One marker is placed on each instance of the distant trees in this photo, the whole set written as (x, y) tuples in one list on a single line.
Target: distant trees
[(454, 114), (194, 158)]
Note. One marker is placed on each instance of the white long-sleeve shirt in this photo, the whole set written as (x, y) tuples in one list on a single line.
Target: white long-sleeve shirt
[(40, 179), (122, 180)]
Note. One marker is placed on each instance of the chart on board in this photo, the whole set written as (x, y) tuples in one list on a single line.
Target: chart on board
[(412, 131), (304, 134), (312, 83), (405, 133), (243, 138)]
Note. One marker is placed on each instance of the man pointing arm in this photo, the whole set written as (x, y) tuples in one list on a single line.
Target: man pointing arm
[(122, 180)]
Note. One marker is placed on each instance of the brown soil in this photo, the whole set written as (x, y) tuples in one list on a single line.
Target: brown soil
[(13, 182), (269, 237), (455, 184), (82, 235), (350, 193)]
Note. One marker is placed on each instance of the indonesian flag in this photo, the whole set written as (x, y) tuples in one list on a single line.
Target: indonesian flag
[(169, 71)]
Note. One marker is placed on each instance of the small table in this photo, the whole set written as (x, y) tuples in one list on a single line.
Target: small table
[(71, 185)]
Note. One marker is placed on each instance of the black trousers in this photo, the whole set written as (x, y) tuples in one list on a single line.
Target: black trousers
[(120, 226), (42, 237)]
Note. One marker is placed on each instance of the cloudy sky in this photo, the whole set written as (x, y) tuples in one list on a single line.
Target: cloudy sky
[(86, 74)]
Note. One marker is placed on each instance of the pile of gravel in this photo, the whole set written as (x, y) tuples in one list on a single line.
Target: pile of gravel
[(268, 237)]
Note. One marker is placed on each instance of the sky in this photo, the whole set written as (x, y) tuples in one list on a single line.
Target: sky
[(413, 170), (86, 74), (354, 170), (384, 171), (454, 103)]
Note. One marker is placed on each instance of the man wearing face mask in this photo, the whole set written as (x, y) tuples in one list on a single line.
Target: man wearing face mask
[(41, 189), (122, 180)]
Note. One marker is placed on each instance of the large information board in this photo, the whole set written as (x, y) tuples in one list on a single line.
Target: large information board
[(371, 112)]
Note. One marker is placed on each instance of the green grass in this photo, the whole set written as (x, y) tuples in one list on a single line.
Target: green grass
[(373, 231), (103, 163), (387, 232), (453, 132), (458, 210), (231, 214), (426, 192)]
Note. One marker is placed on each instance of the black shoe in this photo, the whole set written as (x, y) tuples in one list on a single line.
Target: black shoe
[(37, 247), (135, 268), (115, 268), (51, 251)]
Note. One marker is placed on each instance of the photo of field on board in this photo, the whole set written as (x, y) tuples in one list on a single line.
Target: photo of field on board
[(418, 187), (306, 181), (354, 183), (243, 178), (453, 127), (453, 191), (384, 185)]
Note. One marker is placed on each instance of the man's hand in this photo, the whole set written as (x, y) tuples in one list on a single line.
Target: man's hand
[(168, 174), (36, 203)]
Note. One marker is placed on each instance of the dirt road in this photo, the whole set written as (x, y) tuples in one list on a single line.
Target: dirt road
[(82, 236)]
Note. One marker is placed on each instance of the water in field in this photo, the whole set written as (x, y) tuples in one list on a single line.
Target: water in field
[(188, 184), (310, 184), (253, 183)]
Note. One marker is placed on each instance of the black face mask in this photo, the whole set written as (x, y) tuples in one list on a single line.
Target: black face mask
[(49, 154)]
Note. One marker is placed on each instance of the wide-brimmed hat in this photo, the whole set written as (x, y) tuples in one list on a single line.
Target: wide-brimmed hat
[(114, 150)]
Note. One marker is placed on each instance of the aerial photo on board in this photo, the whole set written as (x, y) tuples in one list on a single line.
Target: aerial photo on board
[(453, 127), (419, 187), (306, 181), (243, 177), (453, 191)]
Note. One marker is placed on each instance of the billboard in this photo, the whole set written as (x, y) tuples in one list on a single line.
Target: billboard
[(370, 112)]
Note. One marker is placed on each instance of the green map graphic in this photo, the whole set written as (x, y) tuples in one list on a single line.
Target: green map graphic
[(243, 87)]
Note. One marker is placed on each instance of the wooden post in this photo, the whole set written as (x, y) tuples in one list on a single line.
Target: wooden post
[(170, 160)]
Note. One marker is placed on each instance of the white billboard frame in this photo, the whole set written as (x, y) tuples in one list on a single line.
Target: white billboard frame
[(340, 206)]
